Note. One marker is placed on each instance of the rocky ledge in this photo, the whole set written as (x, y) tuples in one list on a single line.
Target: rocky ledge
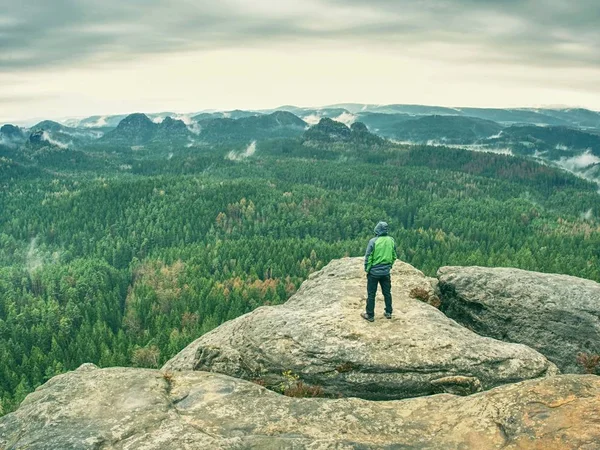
[(318, 336), (557, 315), (511, 396), (119, 408)]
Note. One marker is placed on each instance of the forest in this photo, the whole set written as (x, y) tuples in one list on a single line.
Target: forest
[(122, 257)]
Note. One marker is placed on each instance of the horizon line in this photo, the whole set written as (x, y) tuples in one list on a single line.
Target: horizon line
[(34, 120)]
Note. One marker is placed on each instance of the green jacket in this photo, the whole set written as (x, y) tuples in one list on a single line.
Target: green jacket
[(381, 252)]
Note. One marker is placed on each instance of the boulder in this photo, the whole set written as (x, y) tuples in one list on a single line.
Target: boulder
[(319, 337), (136, 409), (557, 315)]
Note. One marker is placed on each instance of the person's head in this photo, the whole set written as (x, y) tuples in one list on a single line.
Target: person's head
[(381, 229)]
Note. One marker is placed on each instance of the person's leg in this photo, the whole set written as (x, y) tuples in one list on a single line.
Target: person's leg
[(386, 288), (371, 291)]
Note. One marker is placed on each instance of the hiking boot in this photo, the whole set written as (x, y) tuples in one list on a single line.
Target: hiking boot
[(387, 315), (367, 317)]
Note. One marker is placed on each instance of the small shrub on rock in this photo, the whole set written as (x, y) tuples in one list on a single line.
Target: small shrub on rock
[(420, 294), (168, 377), (590, 363), (423, 295), (293, 386), (290, 380), (301, 390)]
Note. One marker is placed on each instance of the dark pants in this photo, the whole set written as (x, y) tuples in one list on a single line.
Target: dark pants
[(386, 287)]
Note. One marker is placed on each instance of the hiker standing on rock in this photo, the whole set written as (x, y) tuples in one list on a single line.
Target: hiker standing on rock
[(379, 259)]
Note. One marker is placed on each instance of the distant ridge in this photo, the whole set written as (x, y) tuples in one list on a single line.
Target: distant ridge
[(276, 124), (565, 137), (448, 129), (138, 129)]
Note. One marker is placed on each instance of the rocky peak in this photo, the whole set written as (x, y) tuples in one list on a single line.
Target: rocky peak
[(12, 131), (328, 130), (319, 336), (172, 128), (136, 120), (285, 118), (359, 127), (361, 134), (49, 125), (172, 124), (38, 138), (11, 136), (134, 129)]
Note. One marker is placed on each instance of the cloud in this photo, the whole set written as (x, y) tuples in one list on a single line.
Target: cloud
[(579, 162), (84, 57), (588, 215), (46, 137), (190, 123), (100, 122), (38, 34), (6, 142), (250, 150), (312, 119), (33, 258), (346, 118)]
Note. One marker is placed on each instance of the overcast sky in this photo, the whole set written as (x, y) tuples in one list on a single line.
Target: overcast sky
[(81, 57)]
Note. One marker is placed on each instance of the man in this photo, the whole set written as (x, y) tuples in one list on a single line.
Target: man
[(379, 259)]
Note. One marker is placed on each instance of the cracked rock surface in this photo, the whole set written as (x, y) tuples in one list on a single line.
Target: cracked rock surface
[(125, 408), (319, 336), (558, 315)]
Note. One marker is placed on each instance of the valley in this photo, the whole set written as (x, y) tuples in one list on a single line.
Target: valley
[(123, 239)]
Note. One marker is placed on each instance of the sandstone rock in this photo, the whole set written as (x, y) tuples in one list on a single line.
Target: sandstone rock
[(558, 315), (319, 336), (138, 409)]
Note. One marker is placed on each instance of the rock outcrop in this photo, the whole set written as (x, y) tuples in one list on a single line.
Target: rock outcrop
[(137, 409), (319, 336), (331, 131), (135, 129), (558, 315), (328, 130), (171, 128), (11, 134), (38, 138)]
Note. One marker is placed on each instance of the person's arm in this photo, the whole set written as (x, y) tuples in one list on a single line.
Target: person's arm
[(395, 251), (368, 254)]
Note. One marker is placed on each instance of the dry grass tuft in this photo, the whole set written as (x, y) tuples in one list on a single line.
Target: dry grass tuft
[(301, 390), (589, 362), (168, 377), (425, 296)]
